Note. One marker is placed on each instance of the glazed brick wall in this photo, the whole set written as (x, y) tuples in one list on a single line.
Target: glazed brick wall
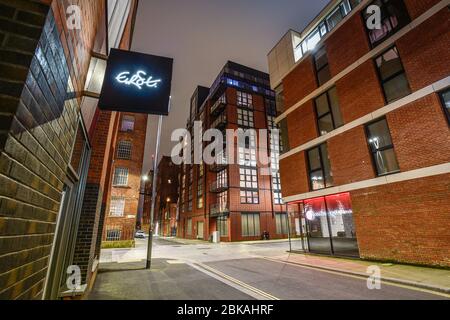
[(299, 83), (420, 134), (359, 92), (405, 222), (350, 162), (294, 176), (424, 51), (298, 132), (417, 7), (353, 35), (39, 141)]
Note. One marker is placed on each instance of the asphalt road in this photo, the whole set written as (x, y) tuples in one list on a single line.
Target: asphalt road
[(231, 271)]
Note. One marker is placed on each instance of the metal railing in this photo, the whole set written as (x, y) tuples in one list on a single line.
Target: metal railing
[(218, 209)]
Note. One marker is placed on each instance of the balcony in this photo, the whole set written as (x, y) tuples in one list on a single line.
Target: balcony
[(218, 186), (220, 122), (218, 106), (218, 210)]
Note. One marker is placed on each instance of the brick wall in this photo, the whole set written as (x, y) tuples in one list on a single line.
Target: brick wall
[(424, 50), (40, 89), (418, 7), (405, 222), (299, 133)]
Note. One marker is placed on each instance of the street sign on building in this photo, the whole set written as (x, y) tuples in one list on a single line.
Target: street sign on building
[(137, 82)]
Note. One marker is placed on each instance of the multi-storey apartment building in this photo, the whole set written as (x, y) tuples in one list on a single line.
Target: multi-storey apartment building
[(240, 199), (365, 110), (125, 178), (54, 142)]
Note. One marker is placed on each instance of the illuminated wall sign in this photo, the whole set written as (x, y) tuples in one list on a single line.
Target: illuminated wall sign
[(136, 82)]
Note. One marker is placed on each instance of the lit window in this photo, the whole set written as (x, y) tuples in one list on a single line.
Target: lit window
[(322, 66), (189, 227), (222, 226), (248, 178), (394, 16), (382, 148), (319, 166), (117, 207), (328, 112), (124, 150), (246, 118), (127, 124), (120, 177), (244, 99), (392, 75)]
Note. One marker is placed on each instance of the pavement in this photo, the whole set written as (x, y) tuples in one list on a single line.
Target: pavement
[(191, 269)]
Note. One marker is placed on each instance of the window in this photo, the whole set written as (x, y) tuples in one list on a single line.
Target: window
[(222, 226), (124, 150), (200, 191), (284, 136), (250, 225), (249, 197), (445, 97), (127, 124), (247, 157), (248, 178), (328, 112), (246, 118), (113, 235), (392, 75), (189, 227), (394, 16), (322, 67), (382, 148), (120, 177), (190, 197), (276, 184), (319, 166), (117, 207), (281, 223), (244, 99)]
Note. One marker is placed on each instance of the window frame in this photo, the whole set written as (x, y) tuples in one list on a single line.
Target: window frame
[(246, 233), (244, 99), (395, 75), (122, 152), (123, 120), (330, 112), (444, 106), (318, 70), (116, 199), (322, 167), (373, 153), (281, 217), (248, 114), (115, 184)]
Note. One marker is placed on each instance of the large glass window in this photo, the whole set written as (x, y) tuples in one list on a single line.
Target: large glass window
[(120, 177), (113, 234), (250, 225), (189, 227), (328, 113), (330, 225), (246, 118), (392, 75), (320, 174), (394, 16), (281, 223), (124, 150), (445, 97), (322, 66), (244, 99), (382, 148), (117, 207)]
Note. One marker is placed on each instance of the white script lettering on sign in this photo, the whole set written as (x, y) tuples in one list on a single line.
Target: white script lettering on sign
[(139, 80)]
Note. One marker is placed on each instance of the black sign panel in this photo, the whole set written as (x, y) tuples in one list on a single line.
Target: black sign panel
[(137, 82)]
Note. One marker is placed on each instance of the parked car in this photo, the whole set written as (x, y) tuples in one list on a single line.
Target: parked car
[(139, 235)]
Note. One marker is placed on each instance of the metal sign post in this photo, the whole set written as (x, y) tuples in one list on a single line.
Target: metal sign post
[(152, 211)]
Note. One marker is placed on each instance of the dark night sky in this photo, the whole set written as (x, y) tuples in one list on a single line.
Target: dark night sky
[(201, 35)]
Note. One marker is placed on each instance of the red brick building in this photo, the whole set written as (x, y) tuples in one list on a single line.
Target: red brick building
[(234, 198), (126, 177), (55, 144), (365, 123)]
